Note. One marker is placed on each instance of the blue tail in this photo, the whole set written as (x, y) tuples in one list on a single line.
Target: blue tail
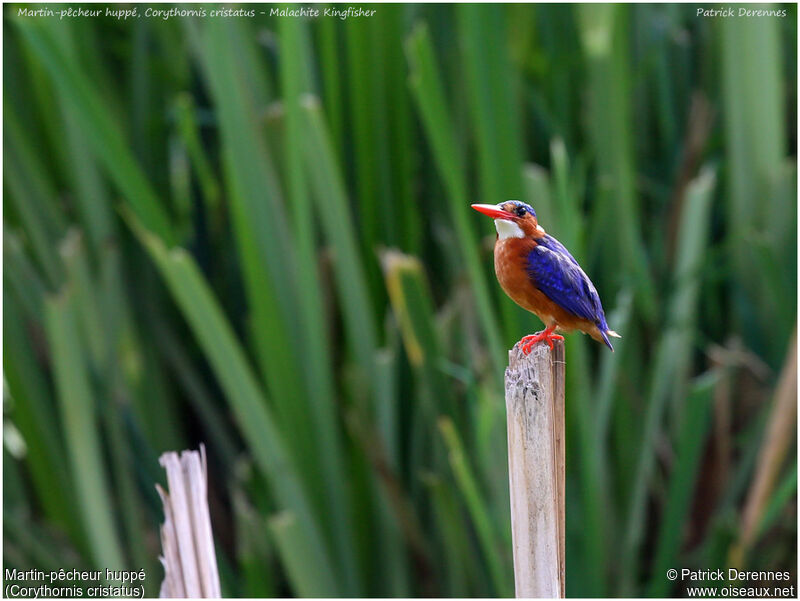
[(606, 340), (605, 333)]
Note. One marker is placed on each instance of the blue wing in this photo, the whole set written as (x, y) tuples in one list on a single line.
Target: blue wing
[(557, 274)]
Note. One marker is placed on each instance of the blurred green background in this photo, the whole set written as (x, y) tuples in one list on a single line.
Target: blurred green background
[(255, 233)]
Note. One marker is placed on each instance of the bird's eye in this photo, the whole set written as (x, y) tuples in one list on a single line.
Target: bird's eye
[(521, 211)]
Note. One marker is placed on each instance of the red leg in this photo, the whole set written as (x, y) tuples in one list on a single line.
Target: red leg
[(527, 343)]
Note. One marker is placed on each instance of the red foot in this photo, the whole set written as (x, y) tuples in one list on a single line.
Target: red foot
[(527, 343)]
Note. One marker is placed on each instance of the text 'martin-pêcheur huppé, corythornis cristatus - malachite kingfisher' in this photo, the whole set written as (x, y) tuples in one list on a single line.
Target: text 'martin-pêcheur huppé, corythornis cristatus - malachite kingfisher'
[(540, 275)]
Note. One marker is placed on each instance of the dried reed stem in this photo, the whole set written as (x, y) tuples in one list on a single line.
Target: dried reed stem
[(535, 415), (190, 564)]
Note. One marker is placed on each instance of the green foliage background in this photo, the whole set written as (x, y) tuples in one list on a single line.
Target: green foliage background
[(255, 233)]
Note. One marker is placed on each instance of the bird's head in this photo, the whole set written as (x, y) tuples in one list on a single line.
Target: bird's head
[(513, 219)]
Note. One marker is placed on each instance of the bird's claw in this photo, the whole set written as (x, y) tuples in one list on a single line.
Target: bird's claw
[(527, 343)]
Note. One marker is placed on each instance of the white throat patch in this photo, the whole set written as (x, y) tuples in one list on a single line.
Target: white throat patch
[(508, 229)]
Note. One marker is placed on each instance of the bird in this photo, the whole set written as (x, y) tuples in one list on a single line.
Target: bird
[(541, 276)]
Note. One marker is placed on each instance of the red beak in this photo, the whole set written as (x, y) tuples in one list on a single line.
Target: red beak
[(493, 212)]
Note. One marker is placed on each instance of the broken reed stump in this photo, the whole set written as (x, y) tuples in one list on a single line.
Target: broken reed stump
[(187, 543), (535, 419)]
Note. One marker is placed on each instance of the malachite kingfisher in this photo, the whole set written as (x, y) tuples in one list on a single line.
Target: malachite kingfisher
[(541, 276)]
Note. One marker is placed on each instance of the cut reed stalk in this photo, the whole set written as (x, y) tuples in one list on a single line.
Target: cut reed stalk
[(535, 414), (190, 563)]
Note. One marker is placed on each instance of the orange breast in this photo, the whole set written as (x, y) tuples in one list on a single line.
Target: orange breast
[(511, 267)]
